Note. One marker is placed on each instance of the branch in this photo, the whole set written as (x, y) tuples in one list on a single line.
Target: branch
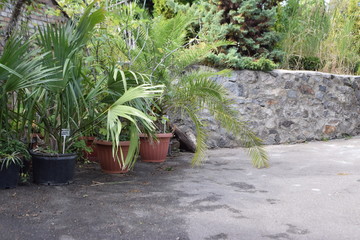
[(14, 18)]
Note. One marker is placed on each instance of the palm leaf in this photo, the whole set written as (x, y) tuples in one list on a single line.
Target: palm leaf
[(195, 92), (119, 110)]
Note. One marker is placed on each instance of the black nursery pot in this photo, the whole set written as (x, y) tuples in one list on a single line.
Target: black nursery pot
[(49, 169), (9, 176)]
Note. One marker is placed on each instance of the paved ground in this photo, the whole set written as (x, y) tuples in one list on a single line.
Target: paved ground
[(311, 191)]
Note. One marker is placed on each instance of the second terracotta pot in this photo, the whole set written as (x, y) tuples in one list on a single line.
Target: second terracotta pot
[(156, 150), (106, 159)]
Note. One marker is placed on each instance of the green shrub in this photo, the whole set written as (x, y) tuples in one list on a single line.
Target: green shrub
[(304, 63), (233, 60), (162, 8), (311, 63), (11, 150), (357, 68)]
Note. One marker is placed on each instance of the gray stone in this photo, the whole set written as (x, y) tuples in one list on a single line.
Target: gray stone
[(305, 114), (247, 76), (306, 89), (319, 95), (316, 78), (289, 85), (270, 124), (292, 94), (357, 95), (266, 78), (232, 87), (285, 106), (322, 88), (232, 77), (241, 91), (240, 100), (287, 123)]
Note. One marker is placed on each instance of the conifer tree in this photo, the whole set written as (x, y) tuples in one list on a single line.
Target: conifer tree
[(249, 24)]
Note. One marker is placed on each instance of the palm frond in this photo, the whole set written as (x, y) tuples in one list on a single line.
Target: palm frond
[(200, 136), (121, 110), (21, 69), (167, 34), (195, 92), (194, 54)]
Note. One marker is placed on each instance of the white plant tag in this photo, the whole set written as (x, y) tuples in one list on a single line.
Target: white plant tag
[(65, 132)]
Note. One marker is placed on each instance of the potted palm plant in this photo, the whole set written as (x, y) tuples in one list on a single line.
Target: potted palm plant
[(61, 109), (116, 163), (127, 106), (20, 71), (161, 49), (58, 107), (155, 148)]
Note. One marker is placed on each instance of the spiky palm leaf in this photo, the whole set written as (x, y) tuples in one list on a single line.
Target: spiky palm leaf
[(121, 109), (20, 70), (61, 104), (193, 93)]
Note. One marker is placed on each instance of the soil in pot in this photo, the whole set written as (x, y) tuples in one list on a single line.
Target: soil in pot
[(9, 176), (50, 169), (156, 150), (105, 157)]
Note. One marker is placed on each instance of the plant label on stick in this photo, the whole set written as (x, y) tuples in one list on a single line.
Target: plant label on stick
[(164, 120), (65, 132)]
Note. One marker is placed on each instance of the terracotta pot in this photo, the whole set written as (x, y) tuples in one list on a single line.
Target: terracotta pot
[(155, 151), (105, 157), (89, 141)]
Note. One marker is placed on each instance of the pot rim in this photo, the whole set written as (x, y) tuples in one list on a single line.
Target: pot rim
[(109, 143), (32, 153), (158, 135)]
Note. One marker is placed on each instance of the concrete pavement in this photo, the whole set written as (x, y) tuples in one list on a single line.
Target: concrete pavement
[(311, 191)]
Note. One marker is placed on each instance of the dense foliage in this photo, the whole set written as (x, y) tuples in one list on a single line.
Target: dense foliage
[(112, 68), (109, 64), (11, 150), (160, 48), (319, 35), (261, 34)]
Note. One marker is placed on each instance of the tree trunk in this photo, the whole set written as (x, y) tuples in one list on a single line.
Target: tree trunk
[(14, 18), (187, 141)]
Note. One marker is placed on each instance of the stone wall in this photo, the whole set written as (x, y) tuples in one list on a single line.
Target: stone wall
[(31, 18), (290, 106)]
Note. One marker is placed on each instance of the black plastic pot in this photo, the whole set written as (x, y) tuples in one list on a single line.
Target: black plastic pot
[(49, 169), (9, 176)]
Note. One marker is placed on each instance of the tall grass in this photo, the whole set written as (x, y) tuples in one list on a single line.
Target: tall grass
[(313, 28), (340, 49), (304, 27)]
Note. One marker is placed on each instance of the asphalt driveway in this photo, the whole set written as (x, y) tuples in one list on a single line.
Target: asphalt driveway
[(311, 191)]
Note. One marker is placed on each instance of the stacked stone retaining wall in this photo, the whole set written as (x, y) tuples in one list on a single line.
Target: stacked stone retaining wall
[(289, 106)]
